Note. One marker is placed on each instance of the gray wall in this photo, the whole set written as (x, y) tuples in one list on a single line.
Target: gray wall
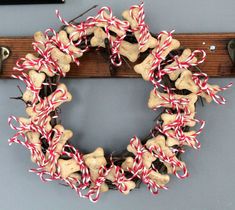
[(116, 111)]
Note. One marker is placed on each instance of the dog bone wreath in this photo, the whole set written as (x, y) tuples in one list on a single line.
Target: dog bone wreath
[(176, 89)]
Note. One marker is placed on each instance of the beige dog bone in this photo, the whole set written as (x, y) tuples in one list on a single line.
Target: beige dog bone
[(160, 141), (145, 67), (160, 179), (128, 163), (131, 51), (36, 67), (101, 23), (94, 161), (171, 118), (64, 39), (185, 55), (58, 144), (175, 44), (98, 38), (147, 156), (45, 123), (173, 141), (66, 135), (63, 60), (37, 79), (68, 167), (153, 175), (41, 39), (185, 81), (33, 111), (129, 184), (155, 100), (152, 42), (177, 168), (75, 35), (34, 138)]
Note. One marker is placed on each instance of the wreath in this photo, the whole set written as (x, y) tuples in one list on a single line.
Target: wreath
[(177, 85)]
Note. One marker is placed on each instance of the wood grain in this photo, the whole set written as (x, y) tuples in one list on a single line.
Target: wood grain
[(218, 63)]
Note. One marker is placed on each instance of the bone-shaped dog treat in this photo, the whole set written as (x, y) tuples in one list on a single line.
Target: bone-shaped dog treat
[(34, 138), (129, 184), (173, 141), (160, 179), (160, 141), (40, 38), (185, 55), (98, 39), (185, 81), (76, 52), (37, 67), (62, 59), (68, 167), (75, 35), (170, 118), (66, 135), (45, 122), (131, 51), (147, 156), (155, 100), (128, 163), (94, 161), (37, 79), (116, 30), (155, 176), (145, 67), (57, 97), (152, 42)]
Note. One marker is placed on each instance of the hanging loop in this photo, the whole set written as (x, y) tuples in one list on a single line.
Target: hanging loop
[(231, 50), (4, 54)]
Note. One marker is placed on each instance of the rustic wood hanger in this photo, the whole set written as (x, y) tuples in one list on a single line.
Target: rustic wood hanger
[(218, 62)]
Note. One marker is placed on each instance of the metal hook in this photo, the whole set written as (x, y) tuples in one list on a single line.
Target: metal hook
[(231, 50), (4, 54)]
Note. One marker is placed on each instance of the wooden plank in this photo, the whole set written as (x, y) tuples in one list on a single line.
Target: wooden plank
[(218, 62)]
